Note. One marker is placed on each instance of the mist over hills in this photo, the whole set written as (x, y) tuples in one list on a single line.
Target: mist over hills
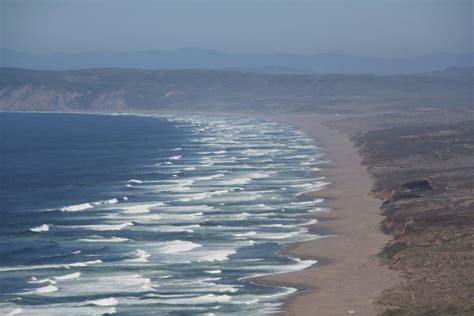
[(196, 58), (150, 90)]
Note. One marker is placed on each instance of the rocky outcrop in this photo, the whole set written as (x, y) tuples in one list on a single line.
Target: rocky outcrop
[(417, 185)]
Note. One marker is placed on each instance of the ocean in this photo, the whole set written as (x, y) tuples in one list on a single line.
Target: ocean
[(150, 215)]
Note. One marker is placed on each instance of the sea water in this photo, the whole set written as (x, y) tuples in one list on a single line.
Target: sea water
[(150, 215)]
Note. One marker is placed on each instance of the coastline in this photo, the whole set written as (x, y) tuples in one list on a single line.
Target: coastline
[(348, 276)]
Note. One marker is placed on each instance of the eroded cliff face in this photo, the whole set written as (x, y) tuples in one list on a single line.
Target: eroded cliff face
[(30, 97)]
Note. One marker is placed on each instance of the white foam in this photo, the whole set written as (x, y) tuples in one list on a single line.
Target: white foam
[(207, 163), (54, 280), (318, 185), (259, 152), (140, 219), (179, 186), (259, 175), (82, 264), (96, 238), (104, 227), (298, 157), (107, 283), (307, 203), (242, 215), (200, 208), (50, 266), (278, 236), (204, 178), (304, 147), (34, 280), (214, 271), (251, 233), (178, 246), (72, 276), (177, 157), (44, 290), (309, 222), (288, 291), (183, 217), (41, 228), (141, 256), (216, 255), (202, 195), (77, 207), (105, 202), (104, 302), (141, 208), (203, 299), (304, 185), (297, 265), (135, 181), (319, 209), (237, 181)]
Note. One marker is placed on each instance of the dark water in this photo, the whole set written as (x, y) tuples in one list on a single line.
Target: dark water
[(140, 215)]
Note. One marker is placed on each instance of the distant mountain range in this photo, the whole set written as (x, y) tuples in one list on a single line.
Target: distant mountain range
[(195, 58)]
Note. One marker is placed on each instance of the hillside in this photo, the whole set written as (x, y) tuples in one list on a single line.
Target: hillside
[(126, 90)]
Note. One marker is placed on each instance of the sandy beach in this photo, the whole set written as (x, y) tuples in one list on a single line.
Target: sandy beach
[(348, 276)]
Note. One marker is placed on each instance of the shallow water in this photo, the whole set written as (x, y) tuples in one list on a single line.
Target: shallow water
[(138, 215)]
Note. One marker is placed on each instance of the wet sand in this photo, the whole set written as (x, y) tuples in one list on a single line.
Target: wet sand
[(348, 276)]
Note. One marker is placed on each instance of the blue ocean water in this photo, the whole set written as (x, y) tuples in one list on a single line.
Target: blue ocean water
[(146, 215)]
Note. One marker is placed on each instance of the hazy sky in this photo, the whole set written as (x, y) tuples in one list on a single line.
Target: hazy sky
[(382, 28)]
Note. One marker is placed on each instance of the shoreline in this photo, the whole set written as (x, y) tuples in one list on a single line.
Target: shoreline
[(348, 276)]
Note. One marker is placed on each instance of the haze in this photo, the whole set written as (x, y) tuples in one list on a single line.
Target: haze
[(385, 29)]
